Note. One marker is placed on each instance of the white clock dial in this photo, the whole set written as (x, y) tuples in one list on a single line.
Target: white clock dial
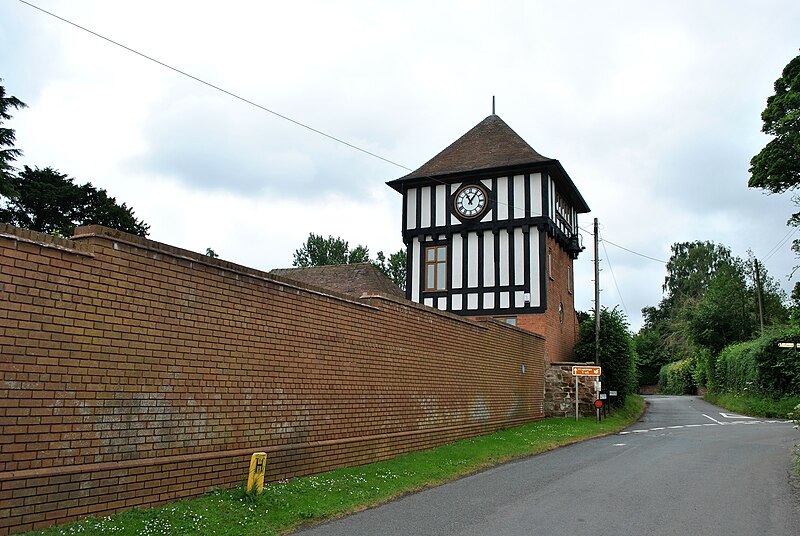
[(470, 201)]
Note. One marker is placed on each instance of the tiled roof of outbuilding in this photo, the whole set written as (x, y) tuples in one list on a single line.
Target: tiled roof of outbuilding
[(351, 279)]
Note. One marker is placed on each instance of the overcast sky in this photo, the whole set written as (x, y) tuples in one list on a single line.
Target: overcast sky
[(653, 108)]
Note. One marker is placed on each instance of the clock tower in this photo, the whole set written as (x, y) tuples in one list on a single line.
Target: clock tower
[(491, 229)]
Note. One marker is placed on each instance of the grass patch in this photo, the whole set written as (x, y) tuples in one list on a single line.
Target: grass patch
[(286, 505), (755, 406)]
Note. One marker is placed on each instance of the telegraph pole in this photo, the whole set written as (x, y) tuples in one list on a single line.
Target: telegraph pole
[(758, 293), (596, 298)]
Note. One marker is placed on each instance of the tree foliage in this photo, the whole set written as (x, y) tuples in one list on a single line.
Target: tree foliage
[(760, 366), (777, 167), (395, 267), (48, 201), (320, 251), (710, 302), (616, 353), (725, 313), (8, 153), (691, 267)]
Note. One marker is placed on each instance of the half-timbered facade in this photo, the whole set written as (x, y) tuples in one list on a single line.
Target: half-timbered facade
[(484, 221)]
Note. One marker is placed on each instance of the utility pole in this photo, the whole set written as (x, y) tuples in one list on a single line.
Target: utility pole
[(758, 293), (596, 298)]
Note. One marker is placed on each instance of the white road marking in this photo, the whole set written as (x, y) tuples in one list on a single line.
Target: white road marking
[(715, 423), (620, 444), (712, 418), (734, 416)]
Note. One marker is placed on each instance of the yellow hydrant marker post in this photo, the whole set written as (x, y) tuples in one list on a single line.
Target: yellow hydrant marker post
[(258, 466)]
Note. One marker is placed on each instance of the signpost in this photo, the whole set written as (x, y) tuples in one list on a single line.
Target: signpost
[(586, 371), (583, 371), (782, 344)]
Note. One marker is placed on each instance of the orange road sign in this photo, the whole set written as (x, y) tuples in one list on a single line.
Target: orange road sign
[(586, 371), (598, 403)]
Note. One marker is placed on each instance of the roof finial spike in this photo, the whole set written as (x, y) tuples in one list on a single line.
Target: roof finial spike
[(493, 105)]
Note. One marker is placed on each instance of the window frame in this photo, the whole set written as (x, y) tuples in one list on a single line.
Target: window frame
[(435, 264)]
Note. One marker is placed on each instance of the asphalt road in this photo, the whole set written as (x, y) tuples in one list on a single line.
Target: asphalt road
[(686, 468)]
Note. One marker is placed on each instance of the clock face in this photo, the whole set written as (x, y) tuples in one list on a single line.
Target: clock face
[(470, 201)]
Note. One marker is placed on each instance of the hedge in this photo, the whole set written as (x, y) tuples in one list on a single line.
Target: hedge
[(677, 378), (760, 366)]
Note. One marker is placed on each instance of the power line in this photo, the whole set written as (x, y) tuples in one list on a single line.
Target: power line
[(626, 249), (780, 243), (209, 84), (613, 277), (238, 97)]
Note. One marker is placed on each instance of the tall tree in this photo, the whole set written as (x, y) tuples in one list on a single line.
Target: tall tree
[(777, 167), (48, 201), (7, 137), (725, 313), (319, 251), (691, 267)]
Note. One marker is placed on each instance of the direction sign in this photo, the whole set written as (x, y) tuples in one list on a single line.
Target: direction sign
[(780, 345), (586, 371)]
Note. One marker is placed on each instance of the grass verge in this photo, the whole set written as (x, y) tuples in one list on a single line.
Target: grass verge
[(286, 505), (755, 406)]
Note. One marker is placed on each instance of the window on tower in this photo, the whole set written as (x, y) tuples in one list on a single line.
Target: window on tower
[(436, 268)]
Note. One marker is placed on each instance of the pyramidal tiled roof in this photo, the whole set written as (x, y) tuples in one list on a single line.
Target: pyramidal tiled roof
[(489, 144)]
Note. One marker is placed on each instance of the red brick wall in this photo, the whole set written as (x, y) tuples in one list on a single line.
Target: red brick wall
[(134, 373), (561, 336)]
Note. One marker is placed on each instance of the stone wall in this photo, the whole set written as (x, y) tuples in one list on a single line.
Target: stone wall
[(559, 391)]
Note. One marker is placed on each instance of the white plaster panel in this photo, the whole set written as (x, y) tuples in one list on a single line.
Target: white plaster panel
[(455, 302), (441, 206), (502, 198), (425, 210), (458, 258), (504, 300), (488, 259), (429, 302), (472, 301), (536, 194), (442, 304), (519, 196), (519, 257), (415, 256), (472, 261), (519, 299), (411, 209), (503, 276), (535, 289), (488, 300)]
